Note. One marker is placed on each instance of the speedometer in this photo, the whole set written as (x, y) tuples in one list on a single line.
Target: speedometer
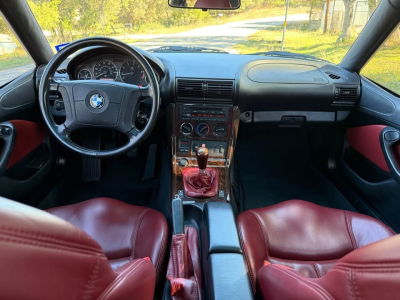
[(105, 70)]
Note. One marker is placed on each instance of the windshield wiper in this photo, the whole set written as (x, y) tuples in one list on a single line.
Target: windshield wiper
[(186, 49), (290, 55)]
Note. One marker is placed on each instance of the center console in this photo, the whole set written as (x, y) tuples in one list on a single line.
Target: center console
[(208, 126), (202, 142)]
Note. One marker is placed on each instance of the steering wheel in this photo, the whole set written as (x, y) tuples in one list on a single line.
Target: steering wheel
[(99, 104)]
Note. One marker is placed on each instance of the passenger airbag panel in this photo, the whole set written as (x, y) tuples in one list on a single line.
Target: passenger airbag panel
[(286, 73)]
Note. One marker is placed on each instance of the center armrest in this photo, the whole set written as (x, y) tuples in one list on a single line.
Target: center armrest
[(220, 232)]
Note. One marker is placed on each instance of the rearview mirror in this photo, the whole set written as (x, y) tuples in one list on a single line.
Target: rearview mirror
[(205, 4)]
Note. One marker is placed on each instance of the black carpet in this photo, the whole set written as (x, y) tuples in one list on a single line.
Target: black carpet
[(121, 179), (276, 167)]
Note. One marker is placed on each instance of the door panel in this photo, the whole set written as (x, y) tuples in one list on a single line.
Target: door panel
[(369, 161), (30, 160), (18, 96), (30, 135), (366, 141)]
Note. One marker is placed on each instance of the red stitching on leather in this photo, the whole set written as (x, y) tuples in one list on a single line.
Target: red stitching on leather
[(264, 231), (317, 270), (161, 256), (92, 279), (251, 276), (356, 294), (42, 245), (17, 233), (320, 291), (395, 264), (385, 270), (350, 230), (137, 227)]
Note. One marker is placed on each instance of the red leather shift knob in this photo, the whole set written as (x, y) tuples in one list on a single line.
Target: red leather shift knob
[(202, 157)]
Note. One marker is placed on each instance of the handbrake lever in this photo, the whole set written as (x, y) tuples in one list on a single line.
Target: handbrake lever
[(177, 215)]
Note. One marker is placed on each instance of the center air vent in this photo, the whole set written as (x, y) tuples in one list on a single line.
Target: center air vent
[(203, 90), (346, 95)]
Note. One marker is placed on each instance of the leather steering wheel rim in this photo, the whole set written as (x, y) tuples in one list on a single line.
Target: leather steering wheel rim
[(62, 132)]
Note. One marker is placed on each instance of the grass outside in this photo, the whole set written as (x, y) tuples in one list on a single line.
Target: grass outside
[(297, 40), (12, 60), (383, 68)]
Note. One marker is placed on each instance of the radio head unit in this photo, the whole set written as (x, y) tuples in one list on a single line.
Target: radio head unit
[(198, 113)]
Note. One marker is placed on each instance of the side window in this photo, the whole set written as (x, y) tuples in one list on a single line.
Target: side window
[(384, 67), (14, 60)]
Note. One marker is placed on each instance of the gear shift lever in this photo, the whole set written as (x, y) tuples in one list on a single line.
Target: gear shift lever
[(201, 182), (202, 158)]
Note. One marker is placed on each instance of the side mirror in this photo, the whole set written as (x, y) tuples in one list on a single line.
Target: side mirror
[(206, 4)]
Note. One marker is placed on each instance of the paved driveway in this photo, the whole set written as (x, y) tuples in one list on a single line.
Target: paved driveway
[(221, 37)]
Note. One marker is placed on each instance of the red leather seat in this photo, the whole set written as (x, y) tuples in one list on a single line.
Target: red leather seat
[(44, 257), (308, 240)]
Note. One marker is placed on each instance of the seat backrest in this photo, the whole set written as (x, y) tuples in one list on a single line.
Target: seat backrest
[(370, 272), (44, 257)]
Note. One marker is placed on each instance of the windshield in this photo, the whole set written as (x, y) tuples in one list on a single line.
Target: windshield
[(324, 29)]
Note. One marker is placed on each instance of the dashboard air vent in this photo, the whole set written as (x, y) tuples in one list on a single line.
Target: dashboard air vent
[(220, 90), (189, 89), (204, 90), (346, 95), (62, 71)]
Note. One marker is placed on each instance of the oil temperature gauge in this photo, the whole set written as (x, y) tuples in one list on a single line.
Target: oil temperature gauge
[(84, 75)]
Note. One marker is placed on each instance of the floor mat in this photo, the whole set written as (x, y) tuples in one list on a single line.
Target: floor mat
[(278, 168), (121, 179)]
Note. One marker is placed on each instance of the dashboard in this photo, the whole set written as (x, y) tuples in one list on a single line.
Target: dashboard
[(277, 90), (112, 67)]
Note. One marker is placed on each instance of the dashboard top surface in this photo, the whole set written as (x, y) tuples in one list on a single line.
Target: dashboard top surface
[(258, 83)]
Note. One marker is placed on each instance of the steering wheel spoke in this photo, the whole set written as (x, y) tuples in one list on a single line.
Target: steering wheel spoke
[(99, 104)]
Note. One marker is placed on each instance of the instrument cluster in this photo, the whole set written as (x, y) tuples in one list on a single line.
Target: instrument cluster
[(114, 68)]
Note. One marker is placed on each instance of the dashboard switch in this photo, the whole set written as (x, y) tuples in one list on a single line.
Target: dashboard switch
[(5, 131), (59, 105)]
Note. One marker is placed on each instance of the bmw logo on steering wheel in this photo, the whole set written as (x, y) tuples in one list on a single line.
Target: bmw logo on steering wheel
[(97, 101)]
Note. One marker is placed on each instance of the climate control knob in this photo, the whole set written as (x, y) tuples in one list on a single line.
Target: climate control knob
[(219, 130), (203, 129), (186, 128)]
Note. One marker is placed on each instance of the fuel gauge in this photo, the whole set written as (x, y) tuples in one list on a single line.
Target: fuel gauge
[(84, 75)]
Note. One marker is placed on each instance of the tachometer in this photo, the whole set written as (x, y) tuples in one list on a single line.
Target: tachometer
[(105, 70), (84, 75)]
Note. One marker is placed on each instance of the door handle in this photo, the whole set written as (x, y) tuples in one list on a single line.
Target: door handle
[(388, 138), (8, 134)]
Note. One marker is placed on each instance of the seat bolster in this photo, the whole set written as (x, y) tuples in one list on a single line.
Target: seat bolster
[(48, 258), (135, 280), (152, 239), (367, 230), (371, 272), (281, 282), (253, 242)]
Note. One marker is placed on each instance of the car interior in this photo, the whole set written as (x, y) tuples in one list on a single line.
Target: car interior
[(201, 176)]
